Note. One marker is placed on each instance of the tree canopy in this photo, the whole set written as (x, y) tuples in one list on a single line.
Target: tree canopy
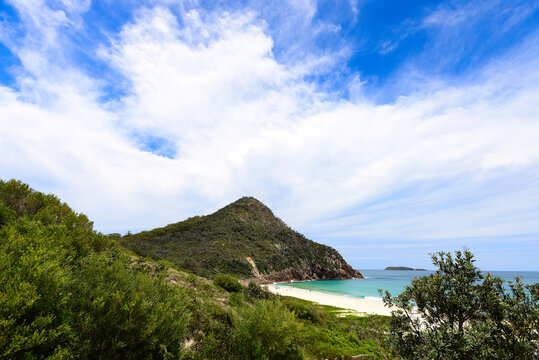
[(461, 313)]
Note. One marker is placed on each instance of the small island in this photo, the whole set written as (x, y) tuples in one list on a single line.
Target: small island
[(403, 268)]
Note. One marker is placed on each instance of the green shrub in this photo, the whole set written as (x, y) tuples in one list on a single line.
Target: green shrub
[(188, 263), (6, 214), (464, 313), (33, 278), (228, 282), (268, 331), (68, 292), (254, 291), (236, 299), (46, 209), (305, 311), (119, 312)]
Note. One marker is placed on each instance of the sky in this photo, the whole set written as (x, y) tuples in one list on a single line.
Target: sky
[(386, 129)]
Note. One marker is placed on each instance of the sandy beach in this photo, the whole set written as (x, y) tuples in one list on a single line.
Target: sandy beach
[(355, 304)]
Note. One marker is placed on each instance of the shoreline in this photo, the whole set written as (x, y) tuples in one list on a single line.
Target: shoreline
[(345, 302)]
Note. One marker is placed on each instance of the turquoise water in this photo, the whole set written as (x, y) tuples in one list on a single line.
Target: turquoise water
[(392, 281)]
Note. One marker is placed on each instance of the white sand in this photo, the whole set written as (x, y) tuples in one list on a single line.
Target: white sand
[(355, 304)]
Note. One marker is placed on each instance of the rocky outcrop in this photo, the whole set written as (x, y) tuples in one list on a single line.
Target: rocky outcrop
[(308, 272), (315, 272)]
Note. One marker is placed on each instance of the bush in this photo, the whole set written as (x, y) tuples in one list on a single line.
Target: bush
[(46, 209), (464, 314), (68, 292), (228, 282), (268, 331), (33, 278), (6, 214), (120, 312), (305, 310), (254, 291), (236, 299)]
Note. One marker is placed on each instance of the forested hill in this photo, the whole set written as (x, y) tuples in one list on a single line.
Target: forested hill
[(244, 238)]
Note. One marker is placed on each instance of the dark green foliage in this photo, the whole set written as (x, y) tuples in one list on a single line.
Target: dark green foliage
[(228, 282), (517, 322), (464, 314), (211, 328), (188, 263), (337, 335), (267, 330), (305, 310), (32, 280), (47, 209), (121, 313), (6, 214), (223, 241), (254, 291), (41, 241), (67, 292), (236, 299)]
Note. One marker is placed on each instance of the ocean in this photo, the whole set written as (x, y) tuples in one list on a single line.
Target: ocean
[(393, 281)]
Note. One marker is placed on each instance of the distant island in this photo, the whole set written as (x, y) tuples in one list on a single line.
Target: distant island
[(404, 268)]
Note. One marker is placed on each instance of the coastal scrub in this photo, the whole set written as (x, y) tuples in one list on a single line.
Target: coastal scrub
[(461, 313)]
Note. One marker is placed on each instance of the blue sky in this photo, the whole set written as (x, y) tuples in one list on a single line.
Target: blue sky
[(387, 129)]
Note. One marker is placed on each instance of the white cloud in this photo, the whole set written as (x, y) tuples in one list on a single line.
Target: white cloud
[(41, 26), (245, 124)]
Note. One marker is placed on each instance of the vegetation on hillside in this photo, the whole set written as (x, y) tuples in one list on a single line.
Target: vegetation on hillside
[(228, 282), (460, 313), (227, 240), (68, 292)]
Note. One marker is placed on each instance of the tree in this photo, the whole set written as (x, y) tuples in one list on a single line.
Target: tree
[(460, 313)]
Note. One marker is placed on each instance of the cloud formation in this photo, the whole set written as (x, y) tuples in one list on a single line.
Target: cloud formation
[(209, 113)]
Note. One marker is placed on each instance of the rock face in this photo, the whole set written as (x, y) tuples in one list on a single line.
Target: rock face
[(313, 272), (243, 238)]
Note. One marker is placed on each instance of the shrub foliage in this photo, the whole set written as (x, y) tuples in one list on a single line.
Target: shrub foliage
[(228, 282), (68, 292), (268, 331), (460, 313)]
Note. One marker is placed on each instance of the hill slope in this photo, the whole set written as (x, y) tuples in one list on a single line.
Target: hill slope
[(243, 238)]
